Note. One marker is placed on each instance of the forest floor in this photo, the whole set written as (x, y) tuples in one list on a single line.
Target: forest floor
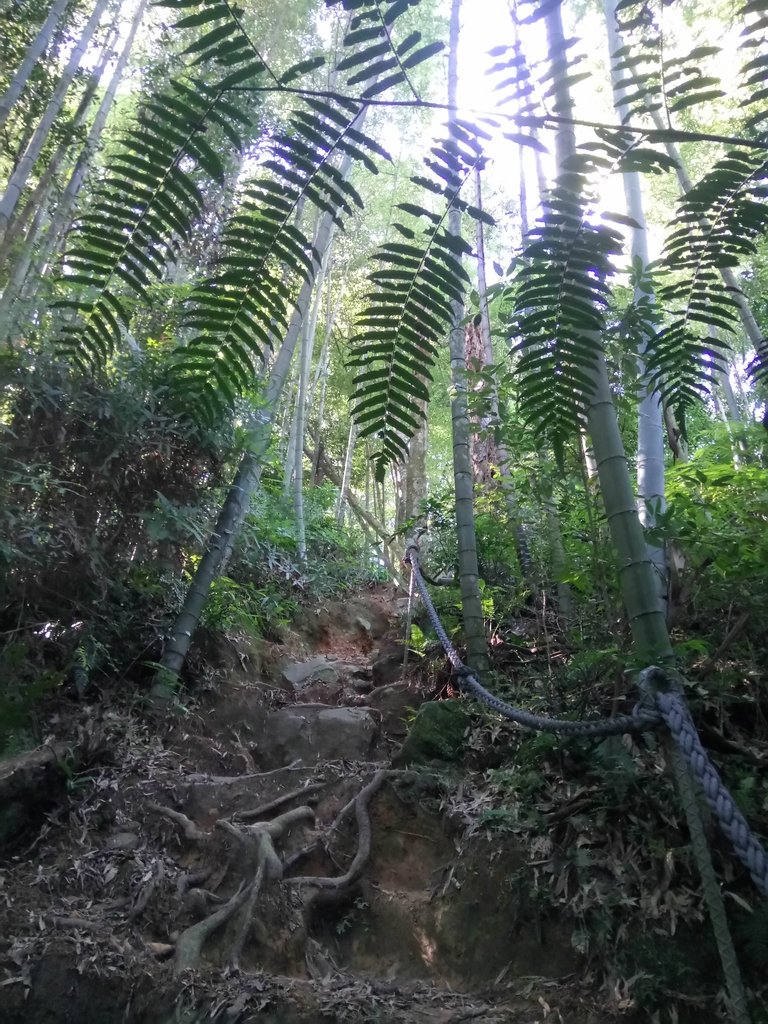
[(268, 853)]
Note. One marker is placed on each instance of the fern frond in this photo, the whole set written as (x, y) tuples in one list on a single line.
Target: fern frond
[(717, 225), (237, 313), (649, 78), (148, 202), (222, 38), (753, 73), (377, 58), (561, 293), (410, 304)]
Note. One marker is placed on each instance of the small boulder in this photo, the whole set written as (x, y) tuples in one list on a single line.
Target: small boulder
[(388, 666), (395, 703), (300, 673), (437, 733), (317, 692), (314, 734)]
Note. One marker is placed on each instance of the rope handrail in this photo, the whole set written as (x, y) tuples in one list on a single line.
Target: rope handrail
[(670, 708), (640, 719)]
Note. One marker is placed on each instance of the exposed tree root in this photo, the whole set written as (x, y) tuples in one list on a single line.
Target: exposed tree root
[(187, 826), (363, 852), (272, 805), (75, 922), (261, 837), (190, 943), (231, 780), (257, 842), (191, 880), (246, 918)]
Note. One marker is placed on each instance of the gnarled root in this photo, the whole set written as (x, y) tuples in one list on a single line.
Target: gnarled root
[(190, 942), (187, 826), (362, 816), (260, 838)]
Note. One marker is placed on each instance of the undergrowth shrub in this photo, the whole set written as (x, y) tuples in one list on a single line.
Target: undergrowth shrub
[(106, 502)]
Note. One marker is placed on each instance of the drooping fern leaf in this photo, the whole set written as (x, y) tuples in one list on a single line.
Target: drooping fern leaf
[(561, 290), (378, 59), (717, 225), (561, 294), (148, 200), (410, 304), (652, 80), (153, 189), (238, 313), (223, 39), (754, 72)]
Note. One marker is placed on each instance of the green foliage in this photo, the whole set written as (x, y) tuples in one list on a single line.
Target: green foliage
[(237, 314), (148, 201), (103, 496), (561, 287), (651, 80), (266, 552), (751, 927), (718, 224), (242, 608), (154, 188), (412, 301), (718, 514), (662, 964)]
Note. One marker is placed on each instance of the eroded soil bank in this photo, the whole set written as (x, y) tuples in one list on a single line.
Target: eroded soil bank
[(267, 853)]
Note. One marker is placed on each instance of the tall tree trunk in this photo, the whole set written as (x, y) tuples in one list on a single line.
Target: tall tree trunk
[(501, 454), (39, 196), (235, 506), (329, 470), (637, 575), (23, 169), (469, 583), (731, 403), (11, 311), (650, 426), (321, 376), (415, 484), (62, 216), (34, 52), (305, 365), (554, 531), (249, 471), (346, 474)]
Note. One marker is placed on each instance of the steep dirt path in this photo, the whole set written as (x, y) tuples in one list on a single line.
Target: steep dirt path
[(257, 857)]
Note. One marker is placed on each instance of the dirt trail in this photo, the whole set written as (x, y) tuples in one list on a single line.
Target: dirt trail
[(257, 857)]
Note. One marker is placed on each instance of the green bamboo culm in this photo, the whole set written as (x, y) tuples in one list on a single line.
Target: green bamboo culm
[(636, 572)]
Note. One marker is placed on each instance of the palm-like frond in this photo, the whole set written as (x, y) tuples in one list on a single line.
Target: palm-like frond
[(410, 304), (238, 313), (562, 287), (561, 293), (754, 71), (377, 58), (149, 199), (152, 195), (650, 80), (717, 225)]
